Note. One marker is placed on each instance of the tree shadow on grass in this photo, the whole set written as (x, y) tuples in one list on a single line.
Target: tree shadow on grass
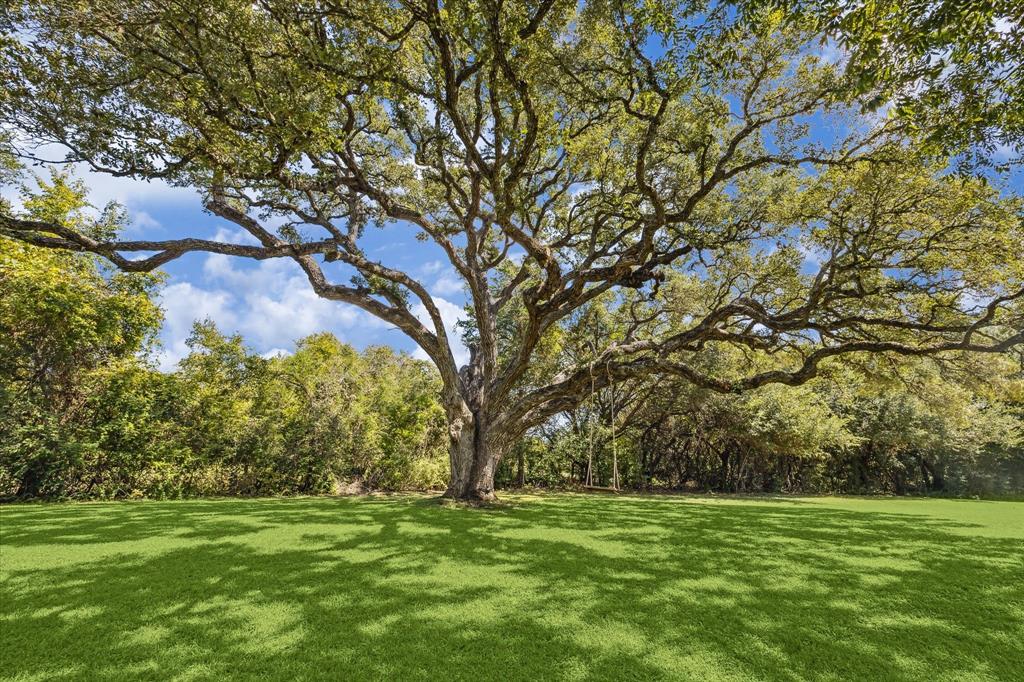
[(567, 587)]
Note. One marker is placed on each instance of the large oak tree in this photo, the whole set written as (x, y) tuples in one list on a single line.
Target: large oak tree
[(713, 178)]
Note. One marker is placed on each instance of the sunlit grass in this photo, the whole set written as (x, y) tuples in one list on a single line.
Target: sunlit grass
[(544, 587)]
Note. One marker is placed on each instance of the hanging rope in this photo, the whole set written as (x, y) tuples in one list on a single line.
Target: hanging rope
[(615, 453), (590, 454)]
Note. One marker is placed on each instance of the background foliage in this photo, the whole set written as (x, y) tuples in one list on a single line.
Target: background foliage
[(84, 413)]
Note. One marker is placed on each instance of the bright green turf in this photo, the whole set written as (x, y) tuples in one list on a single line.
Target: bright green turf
[(546, 587)]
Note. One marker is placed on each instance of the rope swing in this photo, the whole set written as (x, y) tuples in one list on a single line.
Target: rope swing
[(615, 452), (589, 482)]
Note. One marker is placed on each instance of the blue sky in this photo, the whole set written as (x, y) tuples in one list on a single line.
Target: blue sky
[(269, 302)]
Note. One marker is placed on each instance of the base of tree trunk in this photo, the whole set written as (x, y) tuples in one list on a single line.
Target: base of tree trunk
[(471, 497), (472, 469), (470, 500)]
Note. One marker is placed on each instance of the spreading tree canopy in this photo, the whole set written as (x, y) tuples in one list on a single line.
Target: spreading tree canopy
[(708, 170), (950, 69)]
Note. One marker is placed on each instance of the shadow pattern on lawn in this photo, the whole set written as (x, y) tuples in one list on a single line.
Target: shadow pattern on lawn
[(560, 587)]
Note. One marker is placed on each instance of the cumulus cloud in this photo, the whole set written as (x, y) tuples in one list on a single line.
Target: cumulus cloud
[(134, 195), (811, 256), (447, 284), (276, 303), (451, 315), (432, 267), (294, 311), (104, 188), (831, 52), (271, 305), (1005, 152), (238, 236), (184, 304), (446, 280), (143, 222), (270, 302)]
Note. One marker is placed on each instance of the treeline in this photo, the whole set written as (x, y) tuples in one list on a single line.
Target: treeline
[(865, 424), (923, 429), (85, 414), (322, 421)]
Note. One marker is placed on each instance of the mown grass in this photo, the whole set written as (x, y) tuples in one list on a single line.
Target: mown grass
[(545, 587)]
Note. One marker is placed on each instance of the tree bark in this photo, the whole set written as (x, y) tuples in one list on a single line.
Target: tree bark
[(474, 453), (31, 482), (933, 479)]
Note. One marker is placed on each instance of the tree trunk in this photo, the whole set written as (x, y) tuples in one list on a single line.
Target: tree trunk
[(31, 482), (937, 482), (474, 455)]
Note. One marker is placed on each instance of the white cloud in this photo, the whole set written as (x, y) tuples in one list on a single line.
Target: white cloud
[(293, 312), (272, 305), (451, 314), (270, 302), (104, 188), (276, 353), (143, 221), (831, 52), (236, 236), (812, 255), (579, 188), (183, 305), (1005, 152), (447, 280), (432, 267), (447, 284), (277, 304), (266, 276)]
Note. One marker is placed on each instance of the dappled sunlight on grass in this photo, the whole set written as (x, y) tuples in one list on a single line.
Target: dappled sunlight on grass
[(543, 587)]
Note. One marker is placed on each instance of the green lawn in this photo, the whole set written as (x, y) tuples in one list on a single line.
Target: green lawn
[(546, 587)]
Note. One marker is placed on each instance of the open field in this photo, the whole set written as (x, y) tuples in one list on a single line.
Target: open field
[(545, 587)]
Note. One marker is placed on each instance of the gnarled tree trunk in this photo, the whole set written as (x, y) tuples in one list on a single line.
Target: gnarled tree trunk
[(474, 451)]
